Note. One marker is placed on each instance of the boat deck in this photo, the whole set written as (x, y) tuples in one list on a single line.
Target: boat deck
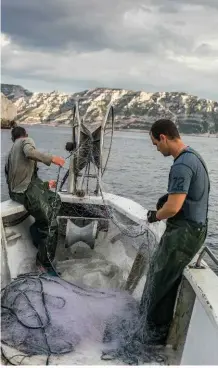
[(106, 266)]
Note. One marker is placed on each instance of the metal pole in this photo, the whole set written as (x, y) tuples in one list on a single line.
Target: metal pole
[(210, 254), (72, 180)]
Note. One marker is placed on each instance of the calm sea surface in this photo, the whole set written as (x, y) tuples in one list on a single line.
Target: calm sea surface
[(135, 169)]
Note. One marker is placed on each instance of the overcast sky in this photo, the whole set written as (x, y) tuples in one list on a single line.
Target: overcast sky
[(71, 45)]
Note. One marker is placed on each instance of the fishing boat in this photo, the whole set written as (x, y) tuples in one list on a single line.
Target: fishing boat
[(97, 228)]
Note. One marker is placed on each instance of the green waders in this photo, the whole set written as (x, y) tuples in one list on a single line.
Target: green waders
[(43, 205), (178, 245)]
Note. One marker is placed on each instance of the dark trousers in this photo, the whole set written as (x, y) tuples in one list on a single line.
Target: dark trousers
[(178, 245), (43, 205)]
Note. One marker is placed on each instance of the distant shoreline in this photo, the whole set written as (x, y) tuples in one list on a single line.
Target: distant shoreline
[(116, 129)]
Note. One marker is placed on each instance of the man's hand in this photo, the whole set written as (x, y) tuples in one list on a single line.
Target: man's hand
[(151, 216), (59, 161), (52, 184)]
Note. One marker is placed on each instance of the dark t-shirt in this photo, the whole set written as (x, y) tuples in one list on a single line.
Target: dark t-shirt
[(188, 175)]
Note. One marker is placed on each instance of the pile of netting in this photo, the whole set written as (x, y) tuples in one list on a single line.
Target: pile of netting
[(44, 315)]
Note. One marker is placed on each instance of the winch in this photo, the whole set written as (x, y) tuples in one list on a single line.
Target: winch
[(89, 150)]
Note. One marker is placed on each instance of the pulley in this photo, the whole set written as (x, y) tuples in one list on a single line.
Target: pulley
[(86, 234)]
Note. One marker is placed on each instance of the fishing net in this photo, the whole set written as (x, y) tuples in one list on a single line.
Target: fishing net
[(94, 304), (49, 316)]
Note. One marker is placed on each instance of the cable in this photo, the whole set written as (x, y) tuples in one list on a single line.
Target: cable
[(40, 326)]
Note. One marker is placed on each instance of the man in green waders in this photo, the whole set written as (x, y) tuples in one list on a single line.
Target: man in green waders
[(185, 208), (26, 188)]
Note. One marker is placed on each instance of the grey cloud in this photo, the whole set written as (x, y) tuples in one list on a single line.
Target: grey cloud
[(169, 8), (72, 84), (60, 42), (82, 25), (204, 3), (176, 5), (206, 49), (49, 24)]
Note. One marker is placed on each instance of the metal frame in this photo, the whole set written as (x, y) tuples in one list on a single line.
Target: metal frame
[(77, 124), (104, 123), (72, 183), (200, 257)]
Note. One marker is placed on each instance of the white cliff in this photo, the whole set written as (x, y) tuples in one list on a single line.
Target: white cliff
[(135, 110), (8, 112)]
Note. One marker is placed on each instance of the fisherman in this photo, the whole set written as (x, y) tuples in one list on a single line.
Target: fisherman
[(28, 189), (185, 209)]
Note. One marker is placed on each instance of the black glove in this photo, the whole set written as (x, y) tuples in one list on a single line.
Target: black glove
[(151, 216), (161, 201)]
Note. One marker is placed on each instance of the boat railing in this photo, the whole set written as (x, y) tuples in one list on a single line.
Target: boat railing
[(201, 255)]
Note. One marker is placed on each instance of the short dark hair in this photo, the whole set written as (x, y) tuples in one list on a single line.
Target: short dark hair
[(166, 127), (17, 132)]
